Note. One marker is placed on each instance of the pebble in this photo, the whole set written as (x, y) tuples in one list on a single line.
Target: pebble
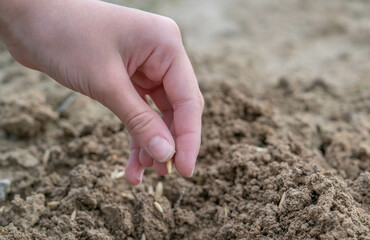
[(4, 185), (260, 149), (27, 160)]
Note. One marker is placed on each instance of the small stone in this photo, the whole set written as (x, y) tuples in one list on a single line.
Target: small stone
[(22, 157), (4, 185)]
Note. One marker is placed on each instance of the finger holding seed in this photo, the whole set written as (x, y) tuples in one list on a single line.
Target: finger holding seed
[(160, 168)]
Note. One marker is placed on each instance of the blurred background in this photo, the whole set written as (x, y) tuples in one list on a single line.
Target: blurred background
[(261, 41)]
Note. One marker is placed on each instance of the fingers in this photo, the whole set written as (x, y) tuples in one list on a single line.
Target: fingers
[(160, 99), (160, 168), (142, 122), (145, 159), (134, 170), (183, 92)]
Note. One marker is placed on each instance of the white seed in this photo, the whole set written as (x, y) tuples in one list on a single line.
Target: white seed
[(53, 204), (150, 190), (158, 207), (73, 215), (281, 203), (46, 157), (143, 237), (117, 174), (169, 166), (159, 189), (127, 195)]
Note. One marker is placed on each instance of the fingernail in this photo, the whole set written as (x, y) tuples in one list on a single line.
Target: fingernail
[(141, 176), (160, 149)]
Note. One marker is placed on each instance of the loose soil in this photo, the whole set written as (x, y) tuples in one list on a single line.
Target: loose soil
[(288, 164), (290, 160)]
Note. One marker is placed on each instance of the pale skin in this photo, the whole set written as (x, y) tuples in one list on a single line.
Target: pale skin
[(117, 56)]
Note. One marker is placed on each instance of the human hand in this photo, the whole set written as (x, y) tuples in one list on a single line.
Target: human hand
[(117, 56)]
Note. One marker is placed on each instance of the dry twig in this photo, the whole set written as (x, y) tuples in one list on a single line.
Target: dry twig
[(282, 201)]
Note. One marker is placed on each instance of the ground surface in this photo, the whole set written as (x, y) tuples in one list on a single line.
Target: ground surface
[(286, 135)]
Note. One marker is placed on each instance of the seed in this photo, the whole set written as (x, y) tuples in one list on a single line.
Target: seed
[(2, 208), (114, 157), (2, 230), (45, 158), (117, 174), (226, 211), (120, 174), (259, 228), (150, 190), (73, 215), (91, 147), (53, 204), (159, 189), (143, 237), (282, 201), (158, 207), (169, 166), (127, 195)]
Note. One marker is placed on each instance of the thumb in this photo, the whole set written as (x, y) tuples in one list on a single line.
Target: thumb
[(142, 122)]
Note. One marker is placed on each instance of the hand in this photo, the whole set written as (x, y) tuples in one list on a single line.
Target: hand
[(117, 56)]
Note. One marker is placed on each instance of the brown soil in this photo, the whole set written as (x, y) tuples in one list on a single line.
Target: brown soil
[(286, 159), (277, 165)]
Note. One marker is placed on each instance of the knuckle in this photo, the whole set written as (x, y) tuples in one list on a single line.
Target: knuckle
[(173, 33), (173, 27), (196, 103), (139, 122), (201, 101)]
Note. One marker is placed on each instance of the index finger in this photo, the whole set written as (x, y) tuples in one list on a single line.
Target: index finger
[(183, 93)]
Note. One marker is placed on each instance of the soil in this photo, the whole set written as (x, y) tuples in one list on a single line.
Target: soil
[(290, 160)]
